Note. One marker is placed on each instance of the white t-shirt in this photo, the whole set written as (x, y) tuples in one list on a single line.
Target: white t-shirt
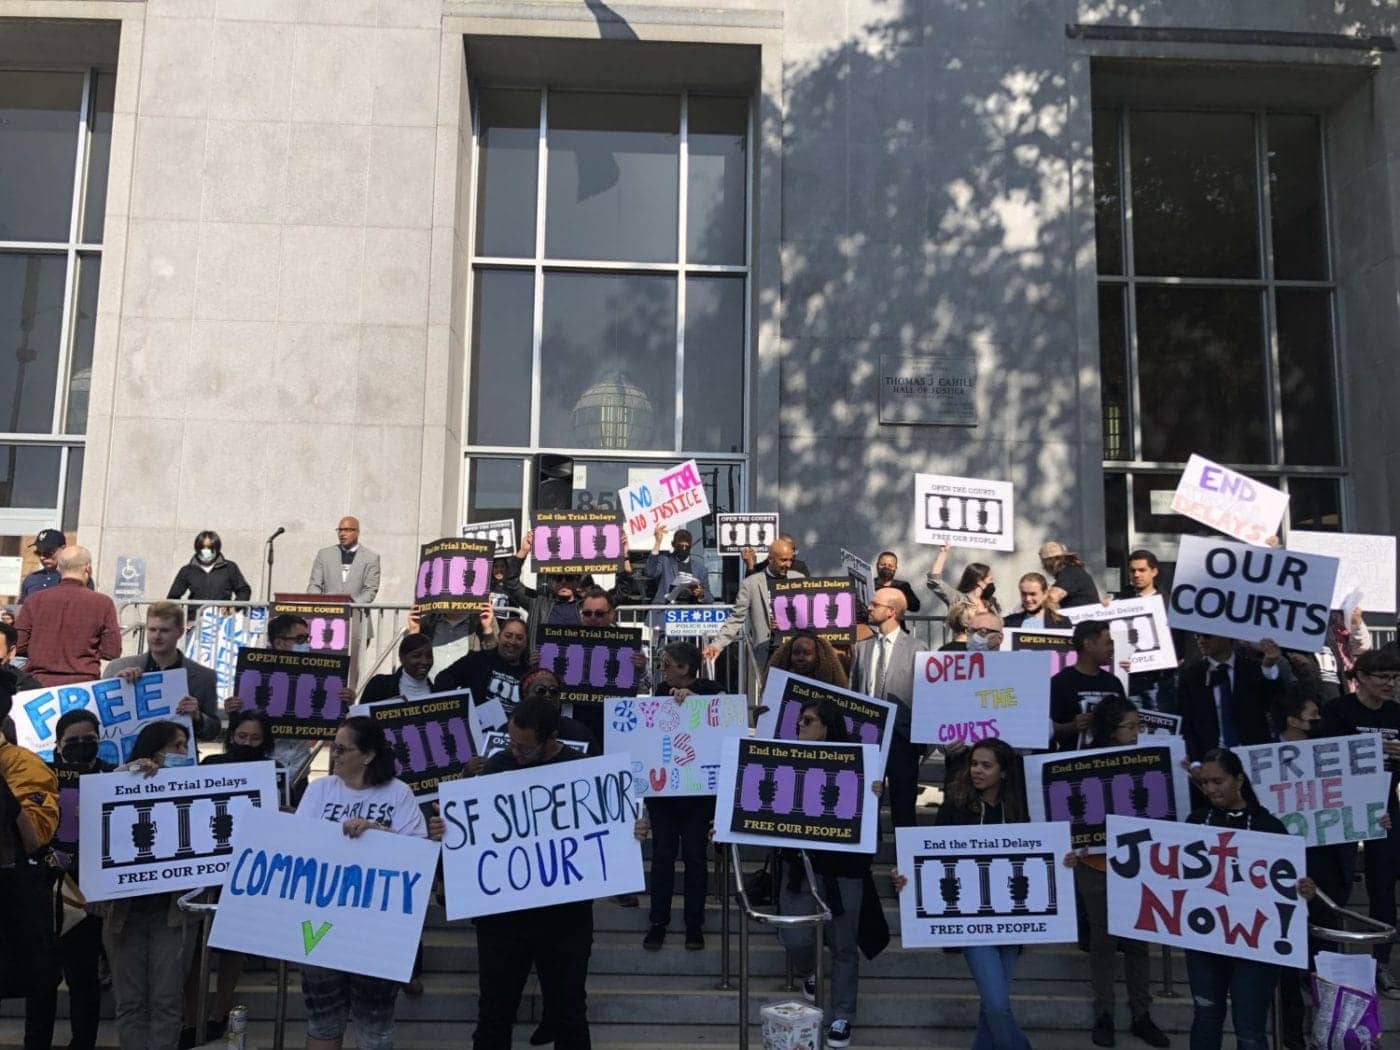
[(391, 805), (412, 689)]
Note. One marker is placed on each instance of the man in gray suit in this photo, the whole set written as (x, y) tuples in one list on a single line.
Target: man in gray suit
[(752, 609), (165, 623), (883, 667), (346, 568)]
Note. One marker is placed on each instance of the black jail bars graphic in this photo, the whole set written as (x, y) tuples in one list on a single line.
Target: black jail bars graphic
[(969, 514), (1001, 884), (146, 829)]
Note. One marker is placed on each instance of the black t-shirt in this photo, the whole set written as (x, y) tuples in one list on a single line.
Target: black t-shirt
[(1072, 686), (488, 677), (1078, 586), (1347, 715), (504, 761), (1251, 818)]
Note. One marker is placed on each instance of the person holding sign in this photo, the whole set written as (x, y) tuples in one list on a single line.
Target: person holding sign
[(810, 656), (492, 674), (975, 588), (1083, 683), (410, 681), (165, 624), (667, 566), (753, 616)]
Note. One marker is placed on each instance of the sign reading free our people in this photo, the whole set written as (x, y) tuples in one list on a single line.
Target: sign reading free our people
[(1238, 506), (121, 708), (671, 498), (966, 512)]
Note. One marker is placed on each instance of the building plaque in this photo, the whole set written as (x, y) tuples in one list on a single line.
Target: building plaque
[(933, 389)]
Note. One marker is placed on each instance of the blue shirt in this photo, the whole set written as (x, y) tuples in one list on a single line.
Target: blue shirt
[(667, 566), (39, 580)]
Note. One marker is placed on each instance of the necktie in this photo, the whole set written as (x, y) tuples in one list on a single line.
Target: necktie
[(881, 665), (1220, 679)]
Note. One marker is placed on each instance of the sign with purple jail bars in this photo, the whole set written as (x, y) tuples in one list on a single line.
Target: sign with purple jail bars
[(592, 663), (299, 691), (1085, 788), (454, 575), (577, 541), (868, 720), (786, 793), (824, 604), (327, 619), (430, 738)]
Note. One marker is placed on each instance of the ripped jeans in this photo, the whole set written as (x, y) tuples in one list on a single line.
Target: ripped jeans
[(1250, 987)]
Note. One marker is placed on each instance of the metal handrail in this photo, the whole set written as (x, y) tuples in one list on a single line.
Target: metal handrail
[(1380, 933), (818, 919)]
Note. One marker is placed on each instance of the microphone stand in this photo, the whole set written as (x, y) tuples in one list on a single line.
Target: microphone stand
[(267, 573)]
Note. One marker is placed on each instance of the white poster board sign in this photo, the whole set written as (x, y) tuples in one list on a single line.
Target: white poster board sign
[(165, 833), (1148, 634), (1367, 565), (1328, 790), (670, 497), (966, 697), (965, 512), (121, 711), (972, 885), (500, 531), (674, 746), (1252, 593), (1248, 908), (1238, 506), (734, 532), (544, 835), (299, 889)]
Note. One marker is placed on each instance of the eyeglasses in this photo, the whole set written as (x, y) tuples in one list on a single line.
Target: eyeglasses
[(543, 690), (90, 738), (985, 632), (340, 749), (296, 639), (879, 605), (808, 720), (594, 614), (1385, 677)]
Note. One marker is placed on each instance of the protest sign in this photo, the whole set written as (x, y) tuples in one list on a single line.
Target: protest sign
[(214, 640), (674, 746), (328, 619), (1058, 643), (1000, 884), (1367, 565), (1150, 723), (499, 532), (1236, 505), (121, 711), (165, 833), (965, 697), (577, 541), (591, 663), (737, 531), (542, 835), (483, 719), (299, 691), (693, 621), (964, 512), (861, 575), (495, 742), (670, 498), (824, 604), (1328, 790), (781, 793), (65, 839), (430, 738), (1252, 593), (1208, 889), (1148, 634), (869, 720), (1085, 788), (454, 575), (302, 890)]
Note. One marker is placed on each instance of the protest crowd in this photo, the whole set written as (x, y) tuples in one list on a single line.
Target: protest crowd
[(1206, 765)]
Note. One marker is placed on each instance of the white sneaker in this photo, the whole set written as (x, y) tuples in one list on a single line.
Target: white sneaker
[(839, 1034)]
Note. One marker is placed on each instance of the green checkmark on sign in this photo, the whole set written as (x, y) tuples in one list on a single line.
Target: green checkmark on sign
[(310, 938)]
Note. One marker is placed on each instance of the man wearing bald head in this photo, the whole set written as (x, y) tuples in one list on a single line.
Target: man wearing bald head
[(347, 568), (752, 608), (67, 630), (883, 667)]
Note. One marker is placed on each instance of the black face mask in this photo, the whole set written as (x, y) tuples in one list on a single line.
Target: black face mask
[(80, 752), (988, 591), (243, 753), (682, 552), (1314, 726)]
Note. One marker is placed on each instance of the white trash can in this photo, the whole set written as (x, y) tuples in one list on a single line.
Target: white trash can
[(791, 1026)]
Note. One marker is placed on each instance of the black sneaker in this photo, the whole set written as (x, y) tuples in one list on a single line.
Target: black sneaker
[(543, 1035), (1146, 1030), (1102, 1032), (655, 938), (839, 1034), (694, 941), (215, 1030)]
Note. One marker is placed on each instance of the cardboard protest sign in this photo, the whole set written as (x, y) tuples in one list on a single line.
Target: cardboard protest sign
[(577, 541), (301, 890), (430, 738), (737, 531), (1367, 565), (121, 711), (966, 697), (1001, 884), (965, 512), (454, 575), (328, 619), (299, 691), (591, 663), (693, 621), (824, 604), (781, 793), (672, 498), (165, 833), (1148, 634), (1328, 790), (861, 575), (1236, 505), (1208, 889), (1053, 640), (543, 835), (868, 719), (1085, 788), (499, 532), (1252, 593), (674, 746)]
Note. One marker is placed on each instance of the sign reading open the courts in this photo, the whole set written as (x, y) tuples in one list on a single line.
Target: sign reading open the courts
[(454, 575), (577, 541), (1058, 643), (430, 737), (168, 832), (999, 884), (965, 512), (674, 745), (121, 710), (1237, 505), (960, 698), (302, 890), (671, 498), (1328, 790), (591, 663), (1146, 621), (542, 835), (737, 531), (327, 617), (300, 692), (869, 720), (500, 532), (823, 604), (1367, 565), (1251, 593)]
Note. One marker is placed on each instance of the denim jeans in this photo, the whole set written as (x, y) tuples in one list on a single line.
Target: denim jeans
[(841, 936), (1250, 988), (993, 968)]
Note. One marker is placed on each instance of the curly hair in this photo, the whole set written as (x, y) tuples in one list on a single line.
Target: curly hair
[(829, 669), (962, 794)]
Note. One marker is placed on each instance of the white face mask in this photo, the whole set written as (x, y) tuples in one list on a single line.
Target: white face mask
[(172, 760), (303, 647), (206, 554), (977, 643)]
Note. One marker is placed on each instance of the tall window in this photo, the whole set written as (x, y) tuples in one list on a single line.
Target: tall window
[(1216, 313), (55, 135), (610, 289)]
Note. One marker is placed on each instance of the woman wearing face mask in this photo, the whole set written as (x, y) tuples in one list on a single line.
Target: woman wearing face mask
[(988, 789), (976, 587), (410, 681), (1249, 985), (209, 576), (811, 657)]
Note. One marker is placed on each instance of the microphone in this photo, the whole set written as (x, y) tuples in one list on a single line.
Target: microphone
[(280, 530)]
